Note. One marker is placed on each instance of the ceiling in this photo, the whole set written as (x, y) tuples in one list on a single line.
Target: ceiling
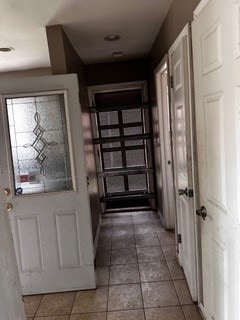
[(86, 22)]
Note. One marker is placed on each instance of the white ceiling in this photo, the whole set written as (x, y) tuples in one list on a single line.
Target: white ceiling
[(86, 22)]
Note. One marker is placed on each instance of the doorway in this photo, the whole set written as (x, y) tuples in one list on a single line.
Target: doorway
[(123, 148)]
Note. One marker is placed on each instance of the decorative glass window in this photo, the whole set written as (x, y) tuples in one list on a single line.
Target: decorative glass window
[(39, 144)]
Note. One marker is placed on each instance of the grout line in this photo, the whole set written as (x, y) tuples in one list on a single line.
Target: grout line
[(38, 306), (144, 314), (73, 303)]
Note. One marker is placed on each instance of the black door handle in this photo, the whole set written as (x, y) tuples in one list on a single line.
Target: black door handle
[(202, 212), (181, 192)]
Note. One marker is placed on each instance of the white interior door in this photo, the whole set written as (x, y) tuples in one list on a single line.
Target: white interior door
[(183, 156), (11, 304), (163, 146), (216, 49), (43, 168)]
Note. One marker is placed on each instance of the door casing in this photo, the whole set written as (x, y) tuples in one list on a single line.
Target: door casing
[(163, 145), (192, 160)]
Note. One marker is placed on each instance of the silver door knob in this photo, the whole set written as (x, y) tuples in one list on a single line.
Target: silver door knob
[(202, 212), (9, 207), (7, 191)]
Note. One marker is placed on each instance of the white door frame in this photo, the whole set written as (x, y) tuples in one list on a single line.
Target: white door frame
[(168, 215), (186, 32), (112, 87)]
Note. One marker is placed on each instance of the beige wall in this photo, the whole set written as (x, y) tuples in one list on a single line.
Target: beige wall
[(26, 73), (64, 59)]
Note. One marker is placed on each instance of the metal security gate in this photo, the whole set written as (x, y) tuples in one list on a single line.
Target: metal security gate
[(123, 145)]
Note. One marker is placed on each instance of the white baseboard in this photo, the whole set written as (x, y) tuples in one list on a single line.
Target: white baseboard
[(97, 235)]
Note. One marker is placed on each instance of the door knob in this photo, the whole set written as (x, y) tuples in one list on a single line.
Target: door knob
[(7, 191), (202, 212), (181, 192), (9, 207)]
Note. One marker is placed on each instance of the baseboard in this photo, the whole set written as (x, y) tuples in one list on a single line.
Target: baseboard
[(97, 235), (161, 217)]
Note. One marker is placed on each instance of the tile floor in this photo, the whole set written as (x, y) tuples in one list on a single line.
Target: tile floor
[(138, 277)]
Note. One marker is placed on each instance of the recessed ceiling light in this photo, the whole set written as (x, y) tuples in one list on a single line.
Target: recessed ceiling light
[(112, 37), (118, 54), (6, 49)]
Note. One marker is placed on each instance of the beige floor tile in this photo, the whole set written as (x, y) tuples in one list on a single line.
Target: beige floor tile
[(91, 301), (183, 292), (104, 244), (122, 231), (158, 226), (126, 315), (123, 242), (150, 254), (147, 240), (191, 313), (106, 231), (166, 237), (56, 304), (107, 221), (103, 258), (124, 256), (31, 304), (142, 219), (175, 270), (146, 228), (124, 221), (123, 297), (154, 271), (170, 252), (123, 274), (53, 318), (102, 274), (159, 294), (166, 313), (89, 316)]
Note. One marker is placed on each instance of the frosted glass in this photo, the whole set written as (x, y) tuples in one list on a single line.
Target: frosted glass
[(115, 184), (132, 115), (132, 131), (107, 118), (39, 144), (110, 133), (135, 158), (112, 160), (137, 182)]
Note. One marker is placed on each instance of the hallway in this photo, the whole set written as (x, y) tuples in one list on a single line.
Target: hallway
[(138, 277)]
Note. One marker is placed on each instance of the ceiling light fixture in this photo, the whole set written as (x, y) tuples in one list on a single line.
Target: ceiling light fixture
[(6, 49), (112, 37), (118, 54)]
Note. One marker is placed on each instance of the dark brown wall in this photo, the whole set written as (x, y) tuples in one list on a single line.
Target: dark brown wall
[(64, 59), (115, 72)]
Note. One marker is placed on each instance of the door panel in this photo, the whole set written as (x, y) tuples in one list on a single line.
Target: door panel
[(216, 70), (44, 167), (181, 113)]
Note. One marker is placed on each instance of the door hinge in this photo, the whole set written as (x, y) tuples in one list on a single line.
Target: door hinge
[(171, 81), (190, 193), (179, 238)]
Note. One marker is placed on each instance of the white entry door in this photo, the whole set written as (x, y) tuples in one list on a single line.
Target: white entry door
[(44, 176), (181, 113), (11, 304), (216, 49)]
